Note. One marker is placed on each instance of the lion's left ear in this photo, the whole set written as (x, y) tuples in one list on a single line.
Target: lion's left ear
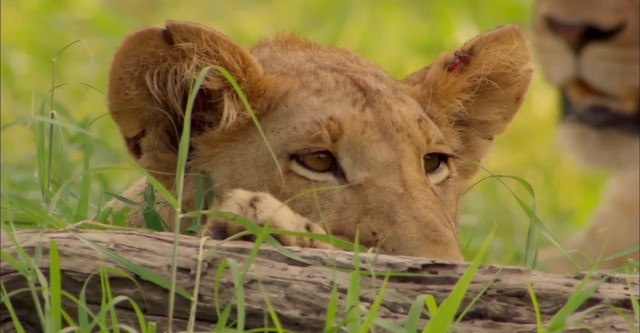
[(151, 77), (472, 94)]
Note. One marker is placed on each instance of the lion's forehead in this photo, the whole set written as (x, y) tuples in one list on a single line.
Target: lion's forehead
[(290, 53), (337, 95), (359, 88), (356, 114)]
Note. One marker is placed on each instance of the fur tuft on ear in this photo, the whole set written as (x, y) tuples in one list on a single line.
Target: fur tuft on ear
[(473, 93), (151, 76)]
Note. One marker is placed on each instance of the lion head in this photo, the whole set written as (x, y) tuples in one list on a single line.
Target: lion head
[(590, 49), (402, 149)]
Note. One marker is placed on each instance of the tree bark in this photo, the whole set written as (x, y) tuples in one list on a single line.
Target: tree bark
[(300, 292)]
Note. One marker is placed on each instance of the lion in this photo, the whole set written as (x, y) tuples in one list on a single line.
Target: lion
[(590, 50), (397, 154)]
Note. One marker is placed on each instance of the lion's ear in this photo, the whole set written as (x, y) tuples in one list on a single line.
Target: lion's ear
[(472, 94), (151, 76)]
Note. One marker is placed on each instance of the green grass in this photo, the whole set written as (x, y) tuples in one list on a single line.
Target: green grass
[(62, 156), (401, 38)]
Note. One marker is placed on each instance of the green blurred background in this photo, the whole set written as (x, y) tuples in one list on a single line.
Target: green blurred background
[(401, 36)]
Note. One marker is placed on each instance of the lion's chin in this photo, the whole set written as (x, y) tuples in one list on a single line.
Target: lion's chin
[(607, 148)]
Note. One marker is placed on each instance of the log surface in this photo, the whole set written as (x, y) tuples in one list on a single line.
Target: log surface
[(300, 292)]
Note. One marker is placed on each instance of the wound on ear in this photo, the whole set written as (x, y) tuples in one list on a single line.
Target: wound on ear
[(459, 61)]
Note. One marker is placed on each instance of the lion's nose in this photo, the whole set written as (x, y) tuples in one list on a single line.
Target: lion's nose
[(578, 35)]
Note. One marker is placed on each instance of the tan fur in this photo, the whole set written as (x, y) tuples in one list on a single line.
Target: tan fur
[(601, 73), (309, 97)]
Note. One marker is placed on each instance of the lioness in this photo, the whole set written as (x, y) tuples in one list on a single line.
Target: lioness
[(590, 50), (404, 150)]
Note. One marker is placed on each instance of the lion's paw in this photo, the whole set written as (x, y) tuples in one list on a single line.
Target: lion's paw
[(262, 208)]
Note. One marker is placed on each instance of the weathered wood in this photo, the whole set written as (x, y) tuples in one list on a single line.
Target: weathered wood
[(300, 292)]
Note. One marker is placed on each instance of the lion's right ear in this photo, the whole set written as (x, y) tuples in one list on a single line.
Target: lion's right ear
[(151, 76), (473, 93)]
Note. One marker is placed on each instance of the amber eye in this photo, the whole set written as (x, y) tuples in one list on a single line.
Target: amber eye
[(434, 162), (317, 161)]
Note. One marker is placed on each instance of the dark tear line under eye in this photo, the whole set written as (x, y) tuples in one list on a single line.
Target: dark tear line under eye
[(339, 173)]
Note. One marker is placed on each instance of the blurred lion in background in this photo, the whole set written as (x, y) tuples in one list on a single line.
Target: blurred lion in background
[(589, 49)]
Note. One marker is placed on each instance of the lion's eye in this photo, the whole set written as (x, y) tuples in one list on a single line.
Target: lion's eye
[(435, 167), (317, 161), (433, 162)]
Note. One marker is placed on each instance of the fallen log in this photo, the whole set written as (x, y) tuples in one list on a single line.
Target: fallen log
[(300, 292)]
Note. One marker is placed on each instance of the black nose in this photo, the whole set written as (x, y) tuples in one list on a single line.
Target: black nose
[(578, 35)]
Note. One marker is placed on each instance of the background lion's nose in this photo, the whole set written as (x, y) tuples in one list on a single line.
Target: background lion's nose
[(578, 35)]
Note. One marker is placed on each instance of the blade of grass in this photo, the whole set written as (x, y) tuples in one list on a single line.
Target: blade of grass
[(183, 151), (83, 313), (216, 294), (17, 265), (63, 167), (221, 323), (484, 290), (443, 319), (130, 266), (111, 306), (261, 235), (52, 113), (238, 281), (536, 308), (353, 292), (158, 187), (413, 316), (432, 305), (559, 321), (375, 307), (41, 155), (42, 119), (34, 212), (635, 303), (102, 317), (82, 209), (70, 322), (108, 296), (125, 200), (253, 228), (272, 312), (223, 317), (203, 198), (529, 211), (332, 309), (389, 325), (152, 219), (31, 273), (622, 254), (6, 300), (55, 286), (632, 323), (196, 286)]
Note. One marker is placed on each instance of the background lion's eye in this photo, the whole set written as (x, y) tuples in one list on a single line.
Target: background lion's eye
[(433, 162), (318, 161)]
